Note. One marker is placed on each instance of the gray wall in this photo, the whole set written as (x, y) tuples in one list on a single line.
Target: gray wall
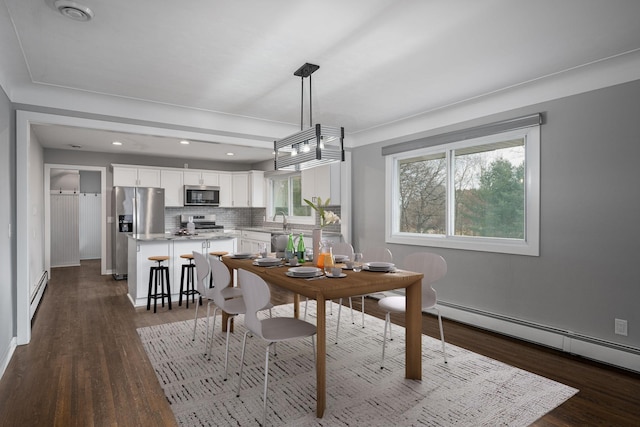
[(587, 271), (7, 244)]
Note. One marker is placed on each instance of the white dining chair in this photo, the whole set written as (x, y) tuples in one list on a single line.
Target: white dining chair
[(377, 253), (433, 267), (203, 270), (271, 330), (205, 289)]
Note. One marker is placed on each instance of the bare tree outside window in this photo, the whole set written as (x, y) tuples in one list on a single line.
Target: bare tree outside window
[(423, 195), (488, 190)]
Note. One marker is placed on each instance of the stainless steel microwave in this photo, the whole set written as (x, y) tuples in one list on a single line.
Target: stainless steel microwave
[(200, 195)]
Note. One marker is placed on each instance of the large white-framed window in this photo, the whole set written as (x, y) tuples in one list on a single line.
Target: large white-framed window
[(285, 196), (480, 193)]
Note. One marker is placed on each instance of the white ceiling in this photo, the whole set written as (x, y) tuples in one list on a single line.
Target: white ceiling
[(381, 61)]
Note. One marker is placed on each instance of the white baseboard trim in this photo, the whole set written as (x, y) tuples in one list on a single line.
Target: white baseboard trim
[(37, 296), (567, 341), (6, 357)]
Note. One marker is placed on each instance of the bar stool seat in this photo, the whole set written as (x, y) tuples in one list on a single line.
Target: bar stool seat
[(156, 277), (219, 254), (189, 290)]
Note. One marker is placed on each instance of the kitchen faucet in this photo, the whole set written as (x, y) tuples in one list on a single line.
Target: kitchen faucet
[(284, 219)]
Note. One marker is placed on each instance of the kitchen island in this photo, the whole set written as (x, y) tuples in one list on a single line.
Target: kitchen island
[(141, 247)]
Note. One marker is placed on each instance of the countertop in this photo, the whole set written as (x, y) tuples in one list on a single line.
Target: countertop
[(226, 234), (294, 231), (220, 235)]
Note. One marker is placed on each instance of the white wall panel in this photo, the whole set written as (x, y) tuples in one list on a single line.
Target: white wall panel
[(90, 226), (65, 247)]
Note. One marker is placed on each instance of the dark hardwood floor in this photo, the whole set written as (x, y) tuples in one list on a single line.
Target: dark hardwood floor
[(86, 366)]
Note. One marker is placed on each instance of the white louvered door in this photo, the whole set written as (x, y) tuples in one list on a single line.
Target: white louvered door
[(65, 216)]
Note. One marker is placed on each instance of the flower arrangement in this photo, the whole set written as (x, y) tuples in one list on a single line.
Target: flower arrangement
[(326, 217)]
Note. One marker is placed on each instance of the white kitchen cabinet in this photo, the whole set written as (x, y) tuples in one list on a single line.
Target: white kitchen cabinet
[(240, 186), (321, 181), (139, 264), (171, 181), (201, 177), (242, 189), (256, 189), (226, 190), (126, 176)]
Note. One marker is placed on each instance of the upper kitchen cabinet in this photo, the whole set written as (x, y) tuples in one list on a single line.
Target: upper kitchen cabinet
[(172, 182), (126, 176), (195, 177), (321, 181), (242, 189)]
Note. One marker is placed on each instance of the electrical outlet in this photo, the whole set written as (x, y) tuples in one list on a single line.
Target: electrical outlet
[(621, 327)]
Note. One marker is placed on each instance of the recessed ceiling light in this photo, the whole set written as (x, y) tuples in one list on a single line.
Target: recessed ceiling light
[(75, 146), (117, 143), (73, 10), (231, 154), (184, 142)]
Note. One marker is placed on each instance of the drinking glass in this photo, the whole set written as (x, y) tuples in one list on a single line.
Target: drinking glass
[(262, 248), (357, 262), (328, 263)]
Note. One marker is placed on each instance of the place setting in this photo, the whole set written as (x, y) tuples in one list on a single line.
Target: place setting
[(304, 272), (268, 262), (379, 267), (241, 255)]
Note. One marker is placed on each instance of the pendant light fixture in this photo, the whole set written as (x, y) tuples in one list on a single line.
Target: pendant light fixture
[(310, 147)]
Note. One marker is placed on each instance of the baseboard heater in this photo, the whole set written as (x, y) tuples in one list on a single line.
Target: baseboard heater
[(620, 355), (37, 293)]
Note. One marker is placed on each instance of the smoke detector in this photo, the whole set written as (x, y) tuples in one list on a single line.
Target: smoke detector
[(73, 10)]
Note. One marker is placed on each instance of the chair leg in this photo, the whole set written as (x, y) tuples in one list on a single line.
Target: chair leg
[(226, 351), (351, 308), (384, 339), (206, 332), (213, 329), (244, 345), (441, 336), (338, 327), (306, 304), (166, 273), (266, 385), (362, 301), (151, 271), (195, 323), (182, 287)]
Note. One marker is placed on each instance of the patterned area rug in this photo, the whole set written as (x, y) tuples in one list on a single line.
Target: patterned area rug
[(470, 390)]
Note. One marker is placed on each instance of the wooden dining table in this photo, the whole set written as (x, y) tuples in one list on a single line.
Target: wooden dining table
[(354, 284)]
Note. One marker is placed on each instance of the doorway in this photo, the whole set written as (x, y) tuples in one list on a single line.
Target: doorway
[(75, 215)]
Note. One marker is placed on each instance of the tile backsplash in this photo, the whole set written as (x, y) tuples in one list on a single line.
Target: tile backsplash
[(232, 218), (229, 217)]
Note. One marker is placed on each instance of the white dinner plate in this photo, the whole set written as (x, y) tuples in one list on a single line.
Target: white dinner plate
[(241, 255), (379, 265), (303, 276), (304, 271), (331, 276)]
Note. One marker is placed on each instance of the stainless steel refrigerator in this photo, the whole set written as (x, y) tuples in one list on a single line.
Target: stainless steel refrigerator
[(137, 210)]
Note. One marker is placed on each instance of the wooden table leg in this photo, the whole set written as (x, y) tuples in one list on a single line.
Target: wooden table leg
[(296, 306), (321, 381), (225, 316), (413, 352)]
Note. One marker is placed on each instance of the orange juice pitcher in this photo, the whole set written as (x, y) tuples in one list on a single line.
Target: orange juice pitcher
[(325, 248)]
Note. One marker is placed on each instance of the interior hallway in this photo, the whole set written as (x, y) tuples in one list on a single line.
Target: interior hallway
[(86, 366)]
